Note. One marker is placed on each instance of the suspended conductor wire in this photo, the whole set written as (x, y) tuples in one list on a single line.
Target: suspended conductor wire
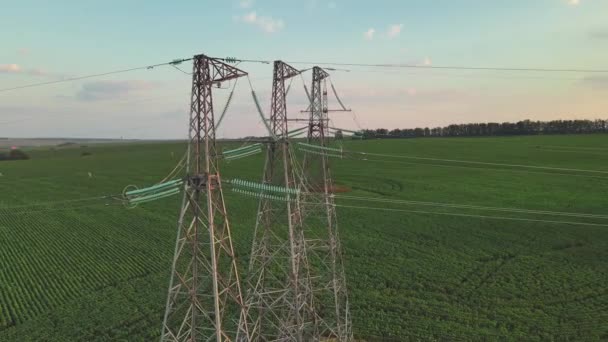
[(62, 208), (478, 168), (476, 207), (307, 92), (336, 95), (177, 68), (474, 216), (70, 79), (288, 86), (416, 66), (103, 205), (447, 67), (477, 162), (50, 203), (178, 167), (228, 101), (503, 218), (259, 109)]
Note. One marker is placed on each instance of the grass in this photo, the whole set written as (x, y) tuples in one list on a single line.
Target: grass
[(94, 270)]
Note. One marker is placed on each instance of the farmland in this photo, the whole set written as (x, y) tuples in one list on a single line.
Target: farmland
[(91, 269)]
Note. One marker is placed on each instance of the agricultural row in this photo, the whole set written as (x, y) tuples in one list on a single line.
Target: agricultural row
[(85, 270)]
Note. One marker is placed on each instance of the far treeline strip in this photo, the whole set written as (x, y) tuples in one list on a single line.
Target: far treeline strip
[(525, 127)]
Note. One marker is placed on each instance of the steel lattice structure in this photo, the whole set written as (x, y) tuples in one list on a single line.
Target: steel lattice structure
[(204, 301), (279, 297), (330, 282)]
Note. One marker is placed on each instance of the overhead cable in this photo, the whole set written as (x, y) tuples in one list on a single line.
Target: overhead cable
[(77, 78), (474, 216), (475, 207)]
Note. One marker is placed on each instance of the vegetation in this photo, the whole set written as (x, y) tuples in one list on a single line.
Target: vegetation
[(14, 155), (525, 127), (93, 270)]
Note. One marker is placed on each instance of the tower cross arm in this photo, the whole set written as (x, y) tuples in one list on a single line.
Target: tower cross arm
[(221, 71), (285, 71)]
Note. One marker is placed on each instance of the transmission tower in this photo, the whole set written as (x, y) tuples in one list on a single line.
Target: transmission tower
[(279, 298), (331, 280), (204, 292)]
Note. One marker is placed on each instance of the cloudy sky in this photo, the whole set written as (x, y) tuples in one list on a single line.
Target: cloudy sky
[(44, 41)]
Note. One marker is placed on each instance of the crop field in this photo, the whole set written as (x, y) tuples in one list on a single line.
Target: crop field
[(75, 266)]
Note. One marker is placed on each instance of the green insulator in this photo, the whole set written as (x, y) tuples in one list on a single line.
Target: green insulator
[(320, 153), (241, 149), (153, 188), (155, 196), (321, 147), (242, 155)]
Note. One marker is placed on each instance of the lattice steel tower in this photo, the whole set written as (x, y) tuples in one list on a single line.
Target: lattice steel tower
[(331, 281), (279, 297), (204, 301)]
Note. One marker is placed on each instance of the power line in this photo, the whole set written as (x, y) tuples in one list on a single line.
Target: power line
[(416, 66), (470, 75), (71, 79), (50, 203), (476, 207), (234, 60), (474, 216), (105, 204), (480, 168), (467, 215), (184, 72), (478, 162), (413, 66)]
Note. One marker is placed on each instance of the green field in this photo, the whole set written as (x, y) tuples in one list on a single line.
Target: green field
[(94, 270)]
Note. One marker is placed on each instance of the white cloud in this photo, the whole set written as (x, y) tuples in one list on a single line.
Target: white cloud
[(107, 90), (246, 3), (10, 68), (250, 17), (267, 24), (394, 30), (369, 34), (17, 69), (574, 2)]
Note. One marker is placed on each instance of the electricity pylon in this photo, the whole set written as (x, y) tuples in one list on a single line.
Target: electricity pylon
[(280, 298), (204, 293), (327, 252)]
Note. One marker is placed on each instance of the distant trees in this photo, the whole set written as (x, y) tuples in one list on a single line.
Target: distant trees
[(14, 155), (525, 127), (339, 134)]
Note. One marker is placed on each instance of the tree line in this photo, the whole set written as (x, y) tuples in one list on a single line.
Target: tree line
[(14, 155), (525, 127)]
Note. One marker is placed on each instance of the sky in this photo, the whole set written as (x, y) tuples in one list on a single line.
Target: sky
[(43, 41)]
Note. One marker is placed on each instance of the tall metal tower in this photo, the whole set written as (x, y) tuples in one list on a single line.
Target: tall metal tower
[(279, 298), (204, 292), (331, 280)]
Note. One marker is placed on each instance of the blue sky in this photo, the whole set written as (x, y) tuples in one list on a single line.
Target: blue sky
[(44, 41)]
